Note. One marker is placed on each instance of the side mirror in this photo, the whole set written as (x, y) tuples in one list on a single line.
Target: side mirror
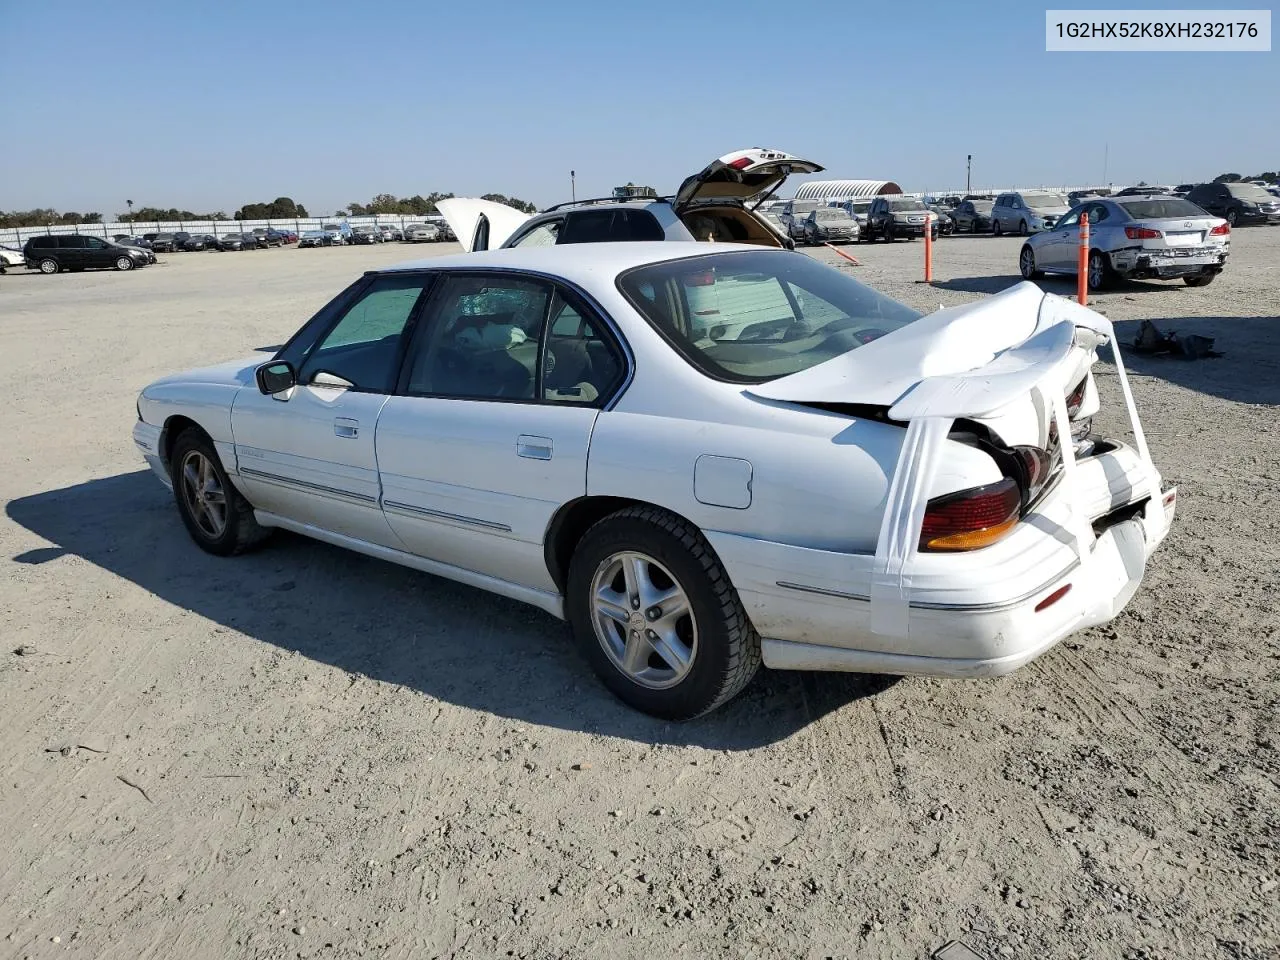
[(275, 377)]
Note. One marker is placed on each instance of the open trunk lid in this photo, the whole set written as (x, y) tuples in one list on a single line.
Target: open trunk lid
[(741, 175), (480, 224)]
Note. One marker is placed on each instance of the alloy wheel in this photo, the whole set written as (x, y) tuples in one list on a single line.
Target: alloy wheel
[(643, 620), (203, 494), (1097, 271)]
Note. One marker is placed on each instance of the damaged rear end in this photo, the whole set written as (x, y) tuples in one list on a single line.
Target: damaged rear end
[(978, 580)]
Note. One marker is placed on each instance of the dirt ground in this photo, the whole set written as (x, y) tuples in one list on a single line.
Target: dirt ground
[(302, 752)]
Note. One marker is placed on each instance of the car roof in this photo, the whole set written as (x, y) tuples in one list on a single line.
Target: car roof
[(582, 263)]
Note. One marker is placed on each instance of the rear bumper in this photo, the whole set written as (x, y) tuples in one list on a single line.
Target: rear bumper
[(998, 639), (968, 615), (1142, 265)]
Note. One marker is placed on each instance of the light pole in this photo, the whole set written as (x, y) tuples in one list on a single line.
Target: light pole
[(573, 187), (968, 173), (129, 204)]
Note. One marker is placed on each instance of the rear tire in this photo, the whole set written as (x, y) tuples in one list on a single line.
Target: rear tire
[(1100, 273), (676, 568), (1203, 280), (218, 518), (50, 267)]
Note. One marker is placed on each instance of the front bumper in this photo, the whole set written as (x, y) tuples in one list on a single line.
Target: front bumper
[(146, 437), (901, 229), (1258, 216)]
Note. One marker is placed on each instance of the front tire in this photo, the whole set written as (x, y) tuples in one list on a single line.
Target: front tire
[(654, 613), (1027, 264), (218, 518), (49, 266), (1232, 216), (1023, 229), (996, 229), (1203, 280), (124, 263), (888, 232)]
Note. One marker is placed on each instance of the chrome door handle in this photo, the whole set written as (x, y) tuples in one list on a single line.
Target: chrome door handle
[(346, 428), (535, 448)]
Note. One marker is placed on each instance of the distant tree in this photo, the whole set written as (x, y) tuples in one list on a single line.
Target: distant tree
[(281, 208), (1227, 178), (523, 206), (92, 218), (391, 205)]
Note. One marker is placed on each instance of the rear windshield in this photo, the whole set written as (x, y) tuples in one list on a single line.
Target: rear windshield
[(900, 205), (1249, 191), (758, 315), (1161, 208), (983, 206)]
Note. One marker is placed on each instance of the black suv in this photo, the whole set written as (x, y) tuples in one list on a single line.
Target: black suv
[(1237, 202), (72, 251), (892, 217)]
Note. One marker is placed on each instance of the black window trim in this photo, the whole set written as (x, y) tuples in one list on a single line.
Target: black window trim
[(350, 297), (595, 314)]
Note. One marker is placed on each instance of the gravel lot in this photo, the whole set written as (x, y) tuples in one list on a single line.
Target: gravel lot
[(303, 752)]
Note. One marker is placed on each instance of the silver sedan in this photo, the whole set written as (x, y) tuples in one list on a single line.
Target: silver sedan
[(1138, 237)]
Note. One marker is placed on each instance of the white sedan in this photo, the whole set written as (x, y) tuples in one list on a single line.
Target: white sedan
[(703, 456)]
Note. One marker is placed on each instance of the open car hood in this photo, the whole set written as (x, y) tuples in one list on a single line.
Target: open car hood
[(966, 361), (741, 175), (480, 224)]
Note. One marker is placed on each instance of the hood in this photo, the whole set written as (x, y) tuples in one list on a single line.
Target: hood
[(936, 348), (232, 373), (741, 175), (480, 224)]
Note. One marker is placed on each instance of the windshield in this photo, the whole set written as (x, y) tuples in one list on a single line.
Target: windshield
[(1249, 191), (1039, 201), (901, 205), (754, 316), (830, 214), (860, 207), (1163, 208)]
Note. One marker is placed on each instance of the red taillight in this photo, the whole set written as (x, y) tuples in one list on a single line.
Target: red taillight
[(704, 278), (1142, 233), (1221, 230), (972, 518), (741, 163)]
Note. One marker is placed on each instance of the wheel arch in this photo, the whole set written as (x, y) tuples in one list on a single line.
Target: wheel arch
[(571, 522)]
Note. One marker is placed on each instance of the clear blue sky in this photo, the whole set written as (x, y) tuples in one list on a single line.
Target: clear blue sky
[(208, 106)]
